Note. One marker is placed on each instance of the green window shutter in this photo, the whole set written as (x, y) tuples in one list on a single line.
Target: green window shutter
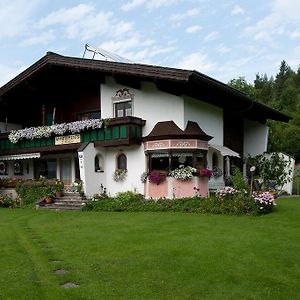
[(38, 142), (86, 137), (108, 133), (43, 142), (94, 135), (101, 135), (123, 131), (116, 132)]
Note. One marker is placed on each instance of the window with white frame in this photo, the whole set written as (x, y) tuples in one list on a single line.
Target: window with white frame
[(123, 103)]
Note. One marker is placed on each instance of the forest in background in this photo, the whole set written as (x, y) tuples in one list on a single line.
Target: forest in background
[(283, 94)]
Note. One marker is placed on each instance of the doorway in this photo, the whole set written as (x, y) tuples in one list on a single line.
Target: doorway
[(66, 171)]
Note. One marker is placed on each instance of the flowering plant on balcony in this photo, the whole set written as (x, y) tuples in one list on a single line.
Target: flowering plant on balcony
[(205, 173), (57, 129), (119, 174), (144, 177), (183, 173), (157, 177)]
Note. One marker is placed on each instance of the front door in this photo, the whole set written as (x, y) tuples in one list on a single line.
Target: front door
[(66, 171)]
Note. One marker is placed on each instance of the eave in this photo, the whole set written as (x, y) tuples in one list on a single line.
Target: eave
[(170, 80)]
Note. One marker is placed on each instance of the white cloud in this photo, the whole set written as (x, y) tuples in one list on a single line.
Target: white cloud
[(15, 17), (149, 4), (237, 10), (7, 73), (189, 13), (193, 29), (84, 22), (211, 36), (66, 15), (223, 49), (43, 38), (123, 45), (196, 61), (283, 12), (265, 38), (295, 34), (132, 5), (135, 48)]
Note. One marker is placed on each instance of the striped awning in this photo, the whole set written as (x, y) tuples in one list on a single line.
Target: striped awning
[(225, 151), (20, 156)]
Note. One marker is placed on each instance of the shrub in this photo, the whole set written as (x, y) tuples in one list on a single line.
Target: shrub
[(31, 191), (238, 181), (227, 201), (6, 201)]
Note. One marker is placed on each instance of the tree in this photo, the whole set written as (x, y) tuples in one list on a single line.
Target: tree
[(283, 94), (242, 85)]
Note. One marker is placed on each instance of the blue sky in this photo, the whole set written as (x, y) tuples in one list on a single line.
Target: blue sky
[(222, 39)]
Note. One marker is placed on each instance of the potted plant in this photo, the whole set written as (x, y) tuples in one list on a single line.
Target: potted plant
[(119, 175), (49, 197), (157, 177), (59, 187), (183, 173), (204, 172), (77, 186)]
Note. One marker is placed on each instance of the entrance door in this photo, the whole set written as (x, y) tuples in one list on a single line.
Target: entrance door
[(66, 171)]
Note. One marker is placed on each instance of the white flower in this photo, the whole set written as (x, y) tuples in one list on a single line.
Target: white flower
[(183, 173), (57, 129)]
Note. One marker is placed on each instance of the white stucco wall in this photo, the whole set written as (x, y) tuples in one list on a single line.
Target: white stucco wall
[(91, 180), (154, 106), (255, 138), (209, 118), (136, 165), (149, 104)]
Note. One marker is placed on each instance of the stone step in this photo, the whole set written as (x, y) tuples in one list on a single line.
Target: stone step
[(69, 200), (63, 203), (66, 203), (55, 207)]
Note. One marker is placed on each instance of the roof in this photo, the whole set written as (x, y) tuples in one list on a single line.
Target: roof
[(225, 151), (171, 80), (169, 130)]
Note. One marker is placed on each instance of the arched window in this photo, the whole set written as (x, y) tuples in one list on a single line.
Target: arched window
[(122, 161), (99, 163), (215, 160)]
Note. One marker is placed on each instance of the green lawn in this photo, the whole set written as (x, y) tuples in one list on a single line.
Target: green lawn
[(150, 255)]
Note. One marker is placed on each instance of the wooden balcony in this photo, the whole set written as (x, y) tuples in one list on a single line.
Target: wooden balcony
[(119, 132)]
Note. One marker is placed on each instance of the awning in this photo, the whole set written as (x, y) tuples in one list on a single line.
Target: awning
[(20, 156), (224, 150)]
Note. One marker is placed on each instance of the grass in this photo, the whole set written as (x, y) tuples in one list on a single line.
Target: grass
[(150, 255)]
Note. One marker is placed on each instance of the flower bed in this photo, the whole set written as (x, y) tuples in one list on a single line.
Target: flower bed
[(232, 204)]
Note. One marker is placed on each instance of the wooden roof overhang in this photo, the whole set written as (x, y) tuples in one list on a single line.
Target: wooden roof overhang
[(167, 135), (62, 70)]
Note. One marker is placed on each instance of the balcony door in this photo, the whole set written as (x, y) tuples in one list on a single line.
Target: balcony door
[(66, 171)]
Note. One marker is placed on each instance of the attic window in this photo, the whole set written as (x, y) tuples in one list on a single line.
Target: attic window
[(89, 115), (123, 103)]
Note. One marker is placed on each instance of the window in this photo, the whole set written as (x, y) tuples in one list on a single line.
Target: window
[(18, 168), (89, 115), (122, 103), (99, 163), (168, 161), (122, 161), (123, 109), (215, 162)]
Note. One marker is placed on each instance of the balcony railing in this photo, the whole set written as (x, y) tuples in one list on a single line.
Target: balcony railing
[(118, 132)]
